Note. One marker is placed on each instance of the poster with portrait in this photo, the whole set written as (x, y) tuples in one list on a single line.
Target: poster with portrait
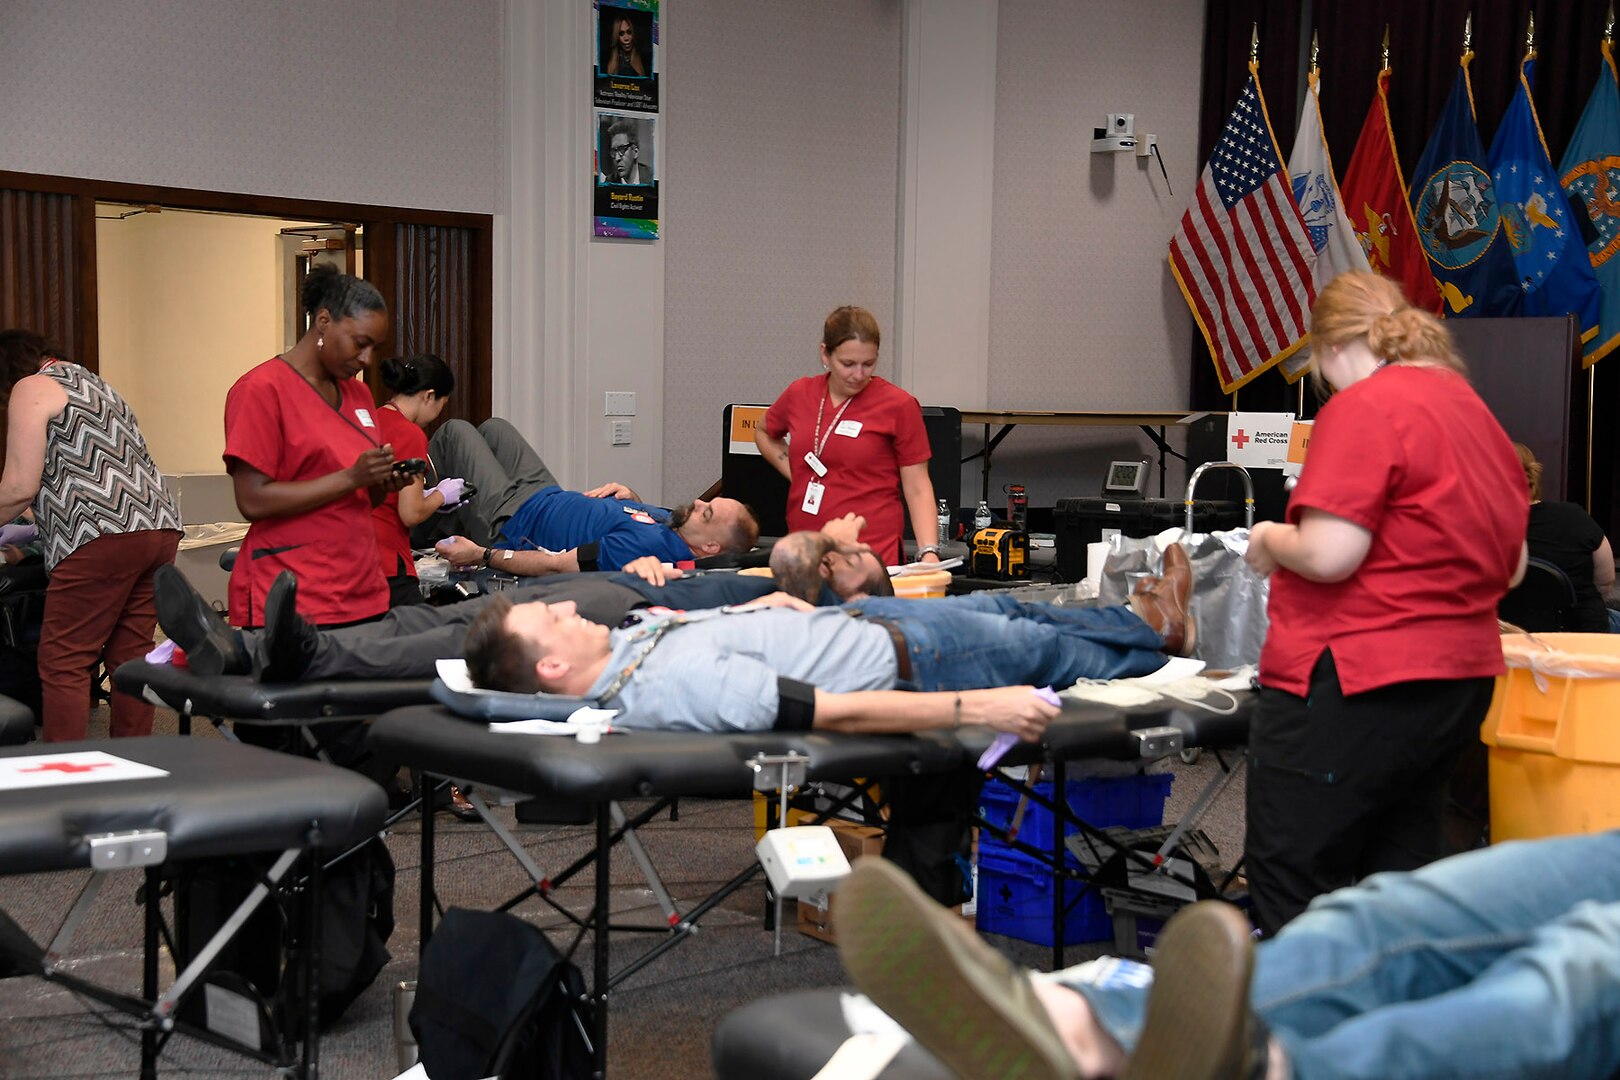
[(626, 176), (626, 54)]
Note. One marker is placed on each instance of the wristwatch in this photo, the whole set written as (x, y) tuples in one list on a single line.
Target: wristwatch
[(928, 549)]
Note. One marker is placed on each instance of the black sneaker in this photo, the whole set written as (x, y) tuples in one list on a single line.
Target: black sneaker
[(288, 642), (212, 647)]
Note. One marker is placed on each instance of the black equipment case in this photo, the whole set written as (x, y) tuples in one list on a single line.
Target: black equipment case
[(1080, 522)]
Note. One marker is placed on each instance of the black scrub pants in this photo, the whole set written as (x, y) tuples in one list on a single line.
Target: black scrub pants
[(1343, 787)]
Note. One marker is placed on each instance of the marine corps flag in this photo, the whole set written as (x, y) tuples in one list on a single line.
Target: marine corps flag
[(1455, 205), (1375, 201), (1334, 245), (1591, 178), (1241, 255), (1553, 267)]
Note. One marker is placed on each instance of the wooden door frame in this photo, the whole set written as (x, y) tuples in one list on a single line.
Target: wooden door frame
[(379, 222)]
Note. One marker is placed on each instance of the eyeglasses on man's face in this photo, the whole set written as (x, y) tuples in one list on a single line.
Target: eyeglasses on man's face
[(619, 150)]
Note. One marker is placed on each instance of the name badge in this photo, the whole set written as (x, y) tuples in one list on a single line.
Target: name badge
[(815, 464), (851, 428), (640, 516), (364, 416), (812, 498)]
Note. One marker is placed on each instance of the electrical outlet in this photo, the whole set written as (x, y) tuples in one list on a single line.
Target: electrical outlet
[(620, 432), (619, 403)]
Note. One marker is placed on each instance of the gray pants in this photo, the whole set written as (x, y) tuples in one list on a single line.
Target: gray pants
[(499, 462), (407, 641)]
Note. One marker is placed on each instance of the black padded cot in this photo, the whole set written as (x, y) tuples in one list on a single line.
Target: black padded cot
[(217, 799), (664, 765)]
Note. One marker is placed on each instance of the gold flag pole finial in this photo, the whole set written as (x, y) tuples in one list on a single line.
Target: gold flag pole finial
[(1254, 43), (1530, 38), (1315, 51), (1468, 34), (1385, 60)]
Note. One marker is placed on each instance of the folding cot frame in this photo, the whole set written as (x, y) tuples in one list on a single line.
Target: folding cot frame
[(666, 765), (215, 799)]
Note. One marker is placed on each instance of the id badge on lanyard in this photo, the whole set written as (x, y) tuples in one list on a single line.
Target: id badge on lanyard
[(812, 498)]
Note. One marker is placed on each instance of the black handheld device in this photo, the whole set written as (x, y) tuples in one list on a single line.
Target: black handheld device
[(410, 465)]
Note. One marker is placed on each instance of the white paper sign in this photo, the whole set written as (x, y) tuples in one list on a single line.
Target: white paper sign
[(57, 770), (1258, 440)]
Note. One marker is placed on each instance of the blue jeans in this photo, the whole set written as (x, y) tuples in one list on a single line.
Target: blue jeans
[(1497, 963), (980, 640)]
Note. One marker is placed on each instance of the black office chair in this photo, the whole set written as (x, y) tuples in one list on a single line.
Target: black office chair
[(1542, 602)]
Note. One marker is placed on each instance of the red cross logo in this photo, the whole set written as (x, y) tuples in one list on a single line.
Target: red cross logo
[(66, 767), (1241, 438)]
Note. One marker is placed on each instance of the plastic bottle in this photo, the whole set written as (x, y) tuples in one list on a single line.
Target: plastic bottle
[(944, 522), (981, 516)]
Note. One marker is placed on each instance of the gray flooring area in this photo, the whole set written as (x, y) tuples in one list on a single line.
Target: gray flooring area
[(661, 1017)]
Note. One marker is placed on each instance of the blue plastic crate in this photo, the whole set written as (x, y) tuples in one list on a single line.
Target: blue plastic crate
[(1135, 802), (1015, 899)]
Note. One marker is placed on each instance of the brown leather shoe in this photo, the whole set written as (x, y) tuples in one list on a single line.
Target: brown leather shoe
[(1161, 602)]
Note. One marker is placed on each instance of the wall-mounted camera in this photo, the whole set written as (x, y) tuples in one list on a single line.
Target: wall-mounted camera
[(1119, 133)]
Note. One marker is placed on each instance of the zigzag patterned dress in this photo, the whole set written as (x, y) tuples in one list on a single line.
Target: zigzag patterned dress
[(98, 476)]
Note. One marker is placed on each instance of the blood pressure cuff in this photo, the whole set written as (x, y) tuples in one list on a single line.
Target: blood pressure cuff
[(795, 705)]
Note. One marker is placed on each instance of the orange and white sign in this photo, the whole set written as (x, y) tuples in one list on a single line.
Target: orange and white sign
[(745, 420), (1299, 441)]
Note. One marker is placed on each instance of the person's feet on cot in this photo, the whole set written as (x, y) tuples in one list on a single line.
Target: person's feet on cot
[(211, 645), (1162, 601), (985, 1018)]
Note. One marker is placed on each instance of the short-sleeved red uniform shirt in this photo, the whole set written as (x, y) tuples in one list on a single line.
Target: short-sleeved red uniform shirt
[(880, 431), (393, 538), (278, 424), (1413, 455)]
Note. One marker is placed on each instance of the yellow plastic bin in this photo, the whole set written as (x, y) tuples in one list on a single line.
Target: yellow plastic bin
[(1554, 736), (930, 585)]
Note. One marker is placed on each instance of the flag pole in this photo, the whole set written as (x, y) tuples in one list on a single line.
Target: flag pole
[(1530, 38), (1384, 62), (1591, 372), (1254, 64)]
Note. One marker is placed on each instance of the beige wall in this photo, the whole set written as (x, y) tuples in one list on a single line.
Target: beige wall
[(188, 302)]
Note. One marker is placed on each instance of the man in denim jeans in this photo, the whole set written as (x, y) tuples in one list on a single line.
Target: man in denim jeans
[(1503, 962)]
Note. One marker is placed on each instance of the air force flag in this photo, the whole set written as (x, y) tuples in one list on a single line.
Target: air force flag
[(1548, 251)]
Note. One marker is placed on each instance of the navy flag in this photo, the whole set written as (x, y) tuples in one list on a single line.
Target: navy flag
[(1591, 177), (1458, 222), (1539, 223)]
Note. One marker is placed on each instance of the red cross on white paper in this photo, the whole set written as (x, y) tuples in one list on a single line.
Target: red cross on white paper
[(67, 767), (1242, 438)]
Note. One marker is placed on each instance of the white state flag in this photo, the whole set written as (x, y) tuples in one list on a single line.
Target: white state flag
[(1310, 169)]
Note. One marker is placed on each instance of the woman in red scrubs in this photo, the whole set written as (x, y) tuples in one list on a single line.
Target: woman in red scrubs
[(421, 387), (308, 460), (1407, 527), (858, 444)]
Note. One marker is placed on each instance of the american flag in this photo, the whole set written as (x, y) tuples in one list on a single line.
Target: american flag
[(1242, 256)]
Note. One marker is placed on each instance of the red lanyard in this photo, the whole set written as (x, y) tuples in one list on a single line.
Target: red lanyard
[(819, 441)]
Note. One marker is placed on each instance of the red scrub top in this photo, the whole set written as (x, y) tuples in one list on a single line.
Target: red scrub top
[(1414, 455), (393, 538), (880, 431), (279, 424)]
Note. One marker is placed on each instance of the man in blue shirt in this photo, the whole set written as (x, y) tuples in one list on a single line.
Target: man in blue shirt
[(523, 522)]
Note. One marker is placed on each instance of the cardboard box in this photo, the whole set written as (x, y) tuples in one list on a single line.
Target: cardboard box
[(816, 919)]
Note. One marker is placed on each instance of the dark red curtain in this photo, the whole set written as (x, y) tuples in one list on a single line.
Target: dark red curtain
[(431, 277), (45, 273)]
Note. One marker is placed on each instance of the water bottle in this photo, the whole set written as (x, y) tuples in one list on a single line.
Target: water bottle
[(981, 516), (944, 522)]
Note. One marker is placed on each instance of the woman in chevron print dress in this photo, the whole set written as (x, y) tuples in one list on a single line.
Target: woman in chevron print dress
[(75, 454)]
